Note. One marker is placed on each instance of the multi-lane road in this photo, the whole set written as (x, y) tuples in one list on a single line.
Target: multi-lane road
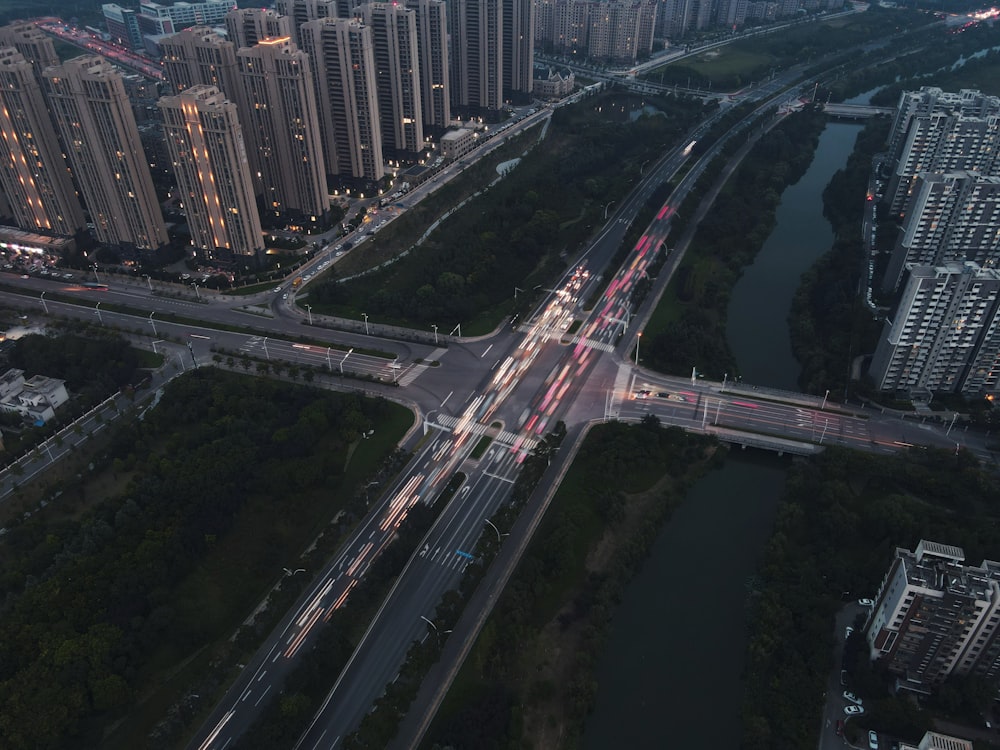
[(561, 364)]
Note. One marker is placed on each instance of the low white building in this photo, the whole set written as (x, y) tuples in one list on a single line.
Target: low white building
[(457, 143), (36, 398)]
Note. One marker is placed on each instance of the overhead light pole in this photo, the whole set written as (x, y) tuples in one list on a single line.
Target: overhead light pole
[(365, 316), (638, 338), (153, 323), (44, 305)]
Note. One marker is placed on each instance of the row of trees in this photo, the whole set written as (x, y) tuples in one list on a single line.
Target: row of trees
[(843, 515), (742, 219), (513, 233), (90, 603)]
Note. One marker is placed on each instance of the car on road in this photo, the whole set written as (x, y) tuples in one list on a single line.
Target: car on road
[(872, 740), (277, 289), (866, 602), (851, 697), (284, 296), (847, 632), (853, 710)]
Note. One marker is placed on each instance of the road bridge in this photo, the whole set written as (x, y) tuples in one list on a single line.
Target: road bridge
[(856, 111)]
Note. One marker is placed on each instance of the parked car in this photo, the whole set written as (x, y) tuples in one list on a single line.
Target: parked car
[(853, 710), (866, 602), (852, 698), (872, 740), (847, 632)]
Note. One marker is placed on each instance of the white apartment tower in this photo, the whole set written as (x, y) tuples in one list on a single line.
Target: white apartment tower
[(945, 333), (33, 172), (92, 111), (206, 148), (433, 65), (345, 86), (934, 617), (950, 217), (397, 76), (282, 129)]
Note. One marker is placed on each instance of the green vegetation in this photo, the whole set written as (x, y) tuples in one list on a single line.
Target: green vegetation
[(517, 233), (842, 516), (481, 446), (742, 219), (829, 322), (528, 681), (735, 65), (166, 545)]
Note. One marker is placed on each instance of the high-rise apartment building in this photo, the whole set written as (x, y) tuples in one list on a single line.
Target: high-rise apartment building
[(34, 44), (397, 77), (250, 26), (935, 617), (476, 55), (88, 101), (200, 56), (303, 11), (123, 25), (282, 128), (563, 25), (344, 54), (945, 334), (518, 49), (620, 31), (207, 151), (950, 217), (33, 172), (433, 65), (934, 131)]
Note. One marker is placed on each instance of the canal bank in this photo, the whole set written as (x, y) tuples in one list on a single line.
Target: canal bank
[(671, 675)]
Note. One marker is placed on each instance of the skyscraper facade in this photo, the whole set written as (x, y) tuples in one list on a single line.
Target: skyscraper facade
[(344, 52), (303, 11), (200, 56), (950, 217), (282, 127), (433, 65), (935, 131), (92, 111), (945, 334), (249, 26), (518, 49), (33, 172), (206, 147), (34, 44), (476, 56), (397, 77)]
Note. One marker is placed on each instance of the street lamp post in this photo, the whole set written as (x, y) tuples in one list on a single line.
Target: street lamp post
[(435, 334), (149, 281), (153, 323), (44, 305), (643, 167), (266, 355), (97, 309), (196, 291), (826, 424), (328, 365), (606, 207), (365, 316), (344, 360), (825, 396), (310, 311), (493, 526), (98, 278), (157, 341), (638, 338)]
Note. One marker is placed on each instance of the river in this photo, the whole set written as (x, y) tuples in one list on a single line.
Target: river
[(670, 675)]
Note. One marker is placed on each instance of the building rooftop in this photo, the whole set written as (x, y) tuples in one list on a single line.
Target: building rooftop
[(939, 566)]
